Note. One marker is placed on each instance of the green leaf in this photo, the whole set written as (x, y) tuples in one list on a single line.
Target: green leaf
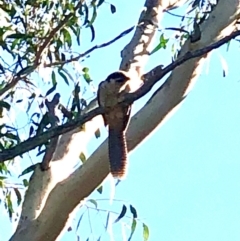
[(68, 74), (31, 130), (9, 205), (86, 14), (51, 90), (49, 55), (63, 76), (100, 2), (93, 202), (29, 169), (3, 168), (54, 80), (78, 34), (93, 32), (25, 182), (15, 43), (1, 183), (107, 221), (5, 105), (133, 228), (93, 16), (97, 133), (63, 57), (100, 189), (18, 194), (228, 45), (41, 152), (82, 157), (17, 35), (79, 221), (145, 232), (122, 214), (2, 178), (67, 37), (33, 95), (133, 211), (113, 8)]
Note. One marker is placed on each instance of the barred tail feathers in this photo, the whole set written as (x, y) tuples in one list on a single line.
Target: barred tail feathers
[(117, 148)]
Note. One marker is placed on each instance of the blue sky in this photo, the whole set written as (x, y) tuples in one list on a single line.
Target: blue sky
[(184, 180)]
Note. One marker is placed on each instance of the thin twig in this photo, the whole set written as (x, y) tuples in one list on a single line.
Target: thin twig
[(177, 15), (91, 49)]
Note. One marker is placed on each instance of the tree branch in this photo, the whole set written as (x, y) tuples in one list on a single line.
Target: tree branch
[(48, 39), (151, 78), (54, 31), (125, 32)]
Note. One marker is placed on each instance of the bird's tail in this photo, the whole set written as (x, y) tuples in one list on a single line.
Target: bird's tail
[(117, 149)]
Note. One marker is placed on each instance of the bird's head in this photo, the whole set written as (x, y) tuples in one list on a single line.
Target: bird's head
[(118, 76)]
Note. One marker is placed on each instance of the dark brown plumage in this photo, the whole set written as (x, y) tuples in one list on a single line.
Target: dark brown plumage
[(117, 118)]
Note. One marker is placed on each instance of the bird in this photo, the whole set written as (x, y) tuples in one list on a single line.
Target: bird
[(116, 117)]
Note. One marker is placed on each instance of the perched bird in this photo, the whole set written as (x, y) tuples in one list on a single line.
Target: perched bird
[(117, 118)]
